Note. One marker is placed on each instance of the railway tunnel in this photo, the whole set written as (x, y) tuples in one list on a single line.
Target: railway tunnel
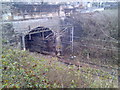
[(41, 40), (46, 41), (42, 35)]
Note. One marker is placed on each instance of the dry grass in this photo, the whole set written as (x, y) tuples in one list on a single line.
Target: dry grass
[(23, 69)]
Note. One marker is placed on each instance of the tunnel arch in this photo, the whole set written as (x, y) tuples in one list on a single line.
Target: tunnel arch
[(40, 39)]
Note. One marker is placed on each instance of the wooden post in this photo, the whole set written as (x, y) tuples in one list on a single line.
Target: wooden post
[(23, 42), (72, 39), (58, 39)]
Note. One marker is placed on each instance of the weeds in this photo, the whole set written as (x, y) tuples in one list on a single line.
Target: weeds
[(22, 69)]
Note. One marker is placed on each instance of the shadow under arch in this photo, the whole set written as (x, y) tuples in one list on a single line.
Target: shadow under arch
[(41, 40)]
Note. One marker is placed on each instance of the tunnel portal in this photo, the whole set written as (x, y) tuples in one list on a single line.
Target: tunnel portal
[(40, 40)]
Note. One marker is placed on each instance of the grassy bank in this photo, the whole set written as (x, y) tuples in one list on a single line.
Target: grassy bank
[(22, 69)]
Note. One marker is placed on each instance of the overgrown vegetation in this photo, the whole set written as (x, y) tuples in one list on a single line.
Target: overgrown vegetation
[(22, 69), (100, 25), (7, 33), (97, 37)]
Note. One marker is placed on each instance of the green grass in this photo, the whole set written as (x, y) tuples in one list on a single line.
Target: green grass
[(22, 69)]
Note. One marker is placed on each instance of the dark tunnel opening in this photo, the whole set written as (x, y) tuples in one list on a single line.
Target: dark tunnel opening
[(41, 40)]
